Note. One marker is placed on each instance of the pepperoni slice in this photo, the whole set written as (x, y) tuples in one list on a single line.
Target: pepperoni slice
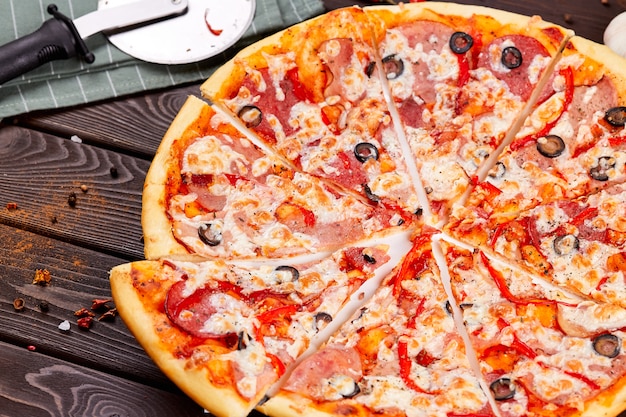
[(196, 313), (516, 78)]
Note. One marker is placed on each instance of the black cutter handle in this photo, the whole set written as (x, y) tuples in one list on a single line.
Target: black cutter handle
[(57, 38)]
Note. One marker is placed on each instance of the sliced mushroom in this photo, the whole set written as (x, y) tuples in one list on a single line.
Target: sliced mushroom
[(502, 389), (607, 345), (251, 115), (616, 116), (211, 233), (599, 171), (364, 151), (461, 42), (393, 67), (293, 272), (565, 244), (550, 146), (511, 57)]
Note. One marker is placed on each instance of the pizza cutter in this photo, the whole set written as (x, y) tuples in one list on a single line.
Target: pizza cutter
[(208, 28), (158, 31)]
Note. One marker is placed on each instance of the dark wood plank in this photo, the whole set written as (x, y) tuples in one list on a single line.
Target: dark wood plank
[(38, 172), (78, 276), (36, 385), (134, 125)]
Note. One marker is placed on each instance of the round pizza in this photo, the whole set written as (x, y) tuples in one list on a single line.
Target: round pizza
[(412, 210)]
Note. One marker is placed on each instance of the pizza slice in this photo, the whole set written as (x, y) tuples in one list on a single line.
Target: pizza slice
[(212, 193), (399, 355), (572, 144), (541, 352), (462, 79), (225, 332), (312, 93), (578, 245)]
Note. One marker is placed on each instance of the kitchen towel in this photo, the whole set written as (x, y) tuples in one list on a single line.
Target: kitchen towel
[(71, 82)]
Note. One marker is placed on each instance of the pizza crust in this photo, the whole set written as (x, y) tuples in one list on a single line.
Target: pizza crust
[(193, 381), (159, 241)]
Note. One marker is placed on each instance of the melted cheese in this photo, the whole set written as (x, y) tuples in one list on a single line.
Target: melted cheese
[(209, 155)]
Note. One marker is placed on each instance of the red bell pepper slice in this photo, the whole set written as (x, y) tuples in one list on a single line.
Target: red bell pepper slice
[(568, 74)]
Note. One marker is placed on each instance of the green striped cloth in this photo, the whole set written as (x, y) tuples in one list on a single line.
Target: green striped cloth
[(70, 82)]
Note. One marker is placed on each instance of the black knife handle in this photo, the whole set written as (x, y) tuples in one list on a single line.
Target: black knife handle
[(57, 38)]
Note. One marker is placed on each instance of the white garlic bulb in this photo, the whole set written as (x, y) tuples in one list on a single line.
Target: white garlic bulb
[(615, 34)]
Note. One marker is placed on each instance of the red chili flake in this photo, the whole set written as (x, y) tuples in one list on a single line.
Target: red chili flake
[(83, 312), (109, 315), (84, 322), (42, 277), (100, 304), (216, 32), (11, 206), (32, 348)]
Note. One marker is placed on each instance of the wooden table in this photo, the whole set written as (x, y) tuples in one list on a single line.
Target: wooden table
[(70, 203)]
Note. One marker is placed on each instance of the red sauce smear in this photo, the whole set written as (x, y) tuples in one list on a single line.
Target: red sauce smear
[(216, 32)]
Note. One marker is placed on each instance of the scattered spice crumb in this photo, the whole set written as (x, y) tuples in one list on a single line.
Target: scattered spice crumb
[(11, 206), (605, 2), (71, 199), (109, 315), (99, 304), (32, 348), (84, 188), (83, 312), (44, 306), (568, 18), (84, 322), (113, 172), (42, 277), (18, 304), (76, 139), (64, 326), (54, 220)]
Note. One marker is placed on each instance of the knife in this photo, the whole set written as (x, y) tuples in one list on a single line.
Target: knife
[(62, 38)]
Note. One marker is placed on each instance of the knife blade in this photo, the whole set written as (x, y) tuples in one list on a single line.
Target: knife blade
[(62, 38)]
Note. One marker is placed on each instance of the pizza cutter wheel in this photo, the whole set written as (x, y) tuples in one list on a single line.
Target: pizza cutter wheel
[(208, 28)]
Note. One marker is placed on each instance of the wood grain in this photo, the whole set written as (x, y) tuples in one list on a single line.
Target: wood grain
[(135, 125), (39, 172), (78, 276), (34, 385)]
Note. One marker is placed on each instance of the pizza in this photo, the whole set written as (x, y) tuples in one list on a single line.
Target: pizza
[(411, 210)]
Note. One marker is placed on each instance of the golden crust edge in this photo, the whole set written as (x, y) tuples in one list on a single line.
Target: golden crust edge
[(159, 241), (194, 382)]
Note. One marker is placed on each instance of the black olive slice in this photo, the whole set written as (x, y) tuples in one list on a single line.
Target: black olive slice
[(607, 345), (322, 317), (502, 389), (251, 115), (211, 233), (393, 67), (550, 146), (599, 172), (511, 57), (565, 244), (346, 386), (364, 151), (498, 170), (286, 268), (369, 70), (368, 258), (616, 116), (461, 42), (242, 340), (369, 194)]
